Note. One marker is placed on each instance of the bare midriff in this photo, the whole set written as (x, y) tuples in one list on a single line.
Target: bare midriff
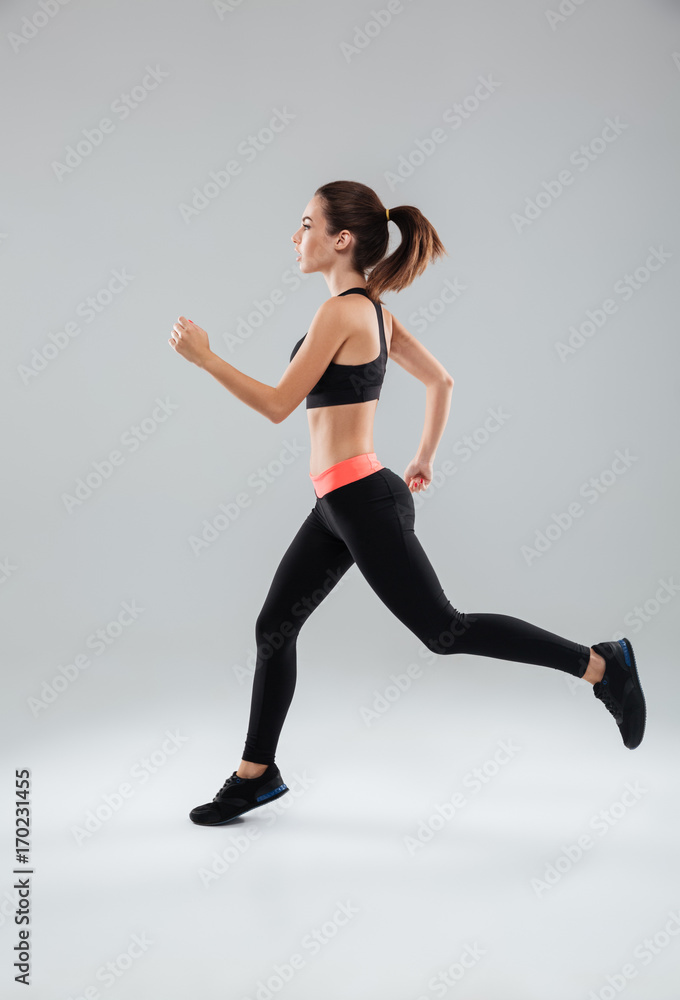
[(339, 432)]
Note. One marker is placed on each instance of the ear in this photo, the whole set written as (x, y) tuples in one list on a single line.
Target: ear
[(343, 240)]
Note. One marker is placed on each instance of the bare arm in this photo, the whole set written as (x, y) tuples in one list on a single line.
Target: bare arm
[(437, 406), (258, 395), (326, 333), (410, 355)]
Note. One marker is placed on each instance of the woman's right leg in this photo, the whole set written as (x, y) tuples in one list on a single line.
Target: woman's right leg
[(312, 565)]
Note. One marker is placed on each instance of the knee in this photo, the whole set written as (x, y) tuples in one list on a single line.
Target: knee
[(452, 638), (273, 633)]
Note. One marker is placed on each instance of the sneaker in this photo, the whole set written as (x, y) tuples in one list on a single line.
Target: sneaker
[(620, 691), (239, 795)]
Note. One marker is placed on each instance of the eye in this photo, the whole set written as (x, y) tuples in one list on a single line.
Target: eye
[(304, 226)]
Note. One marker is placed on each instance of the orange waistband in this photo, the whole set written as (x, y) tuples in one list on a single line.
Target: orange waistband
[(345, 472)]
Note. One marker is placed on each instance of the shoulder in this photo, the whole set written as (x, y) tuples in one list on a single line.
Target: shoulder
[(328, 314), (329, 311), (328, 327), (349, 310)]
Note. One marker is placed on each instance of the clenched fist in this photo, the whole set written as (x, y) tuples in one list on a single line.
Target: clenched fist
[(190, 341)]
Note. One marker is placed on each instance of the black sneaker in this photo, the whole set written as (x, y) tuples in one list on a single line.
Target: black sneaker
[(620, 690), (239, 795)]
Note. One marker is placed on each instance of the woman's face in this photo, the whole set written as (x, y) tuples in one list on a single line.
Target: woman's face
[(314, 248)]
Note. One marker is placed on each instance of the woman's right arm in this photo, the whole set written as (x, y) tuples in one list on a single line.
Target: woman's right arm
[(410, 355)]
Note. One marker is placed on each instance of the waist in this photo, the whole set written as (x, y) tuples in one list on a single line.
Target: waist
[(347, 471)]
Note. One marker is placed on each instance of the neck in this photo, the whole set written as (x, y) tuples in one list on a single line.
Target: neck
[(340, 282)]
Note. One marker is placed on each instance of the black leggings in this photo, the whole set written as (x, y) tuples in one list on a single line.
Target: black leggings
[(371, 522)]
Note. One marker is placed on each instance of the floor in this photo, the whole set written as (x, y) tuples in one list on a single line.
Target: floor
[(464, 831)]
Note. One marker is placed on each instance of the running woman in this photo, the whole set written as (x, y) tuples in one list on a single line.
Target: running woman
[(364, 512)]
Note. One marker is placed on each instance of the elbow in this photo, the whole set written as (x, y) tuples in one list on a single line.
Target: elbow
[(275, 412), (449, 380), (281, 407), (277, 415)]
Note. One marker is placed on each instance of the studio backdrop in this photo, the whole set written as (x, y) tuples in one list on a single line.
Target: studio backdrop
[(455, 825)]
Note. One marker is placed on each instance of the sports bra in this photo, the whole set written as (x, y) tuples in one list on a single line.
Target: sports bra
[(350, 383)]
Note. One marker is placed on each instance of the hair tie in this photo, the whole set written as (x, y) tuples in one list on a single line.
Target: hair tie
[(387, 212)]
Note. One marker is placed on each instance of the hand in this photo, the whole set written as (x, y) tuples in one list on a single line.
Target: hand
[(190, 341), (418, 475)]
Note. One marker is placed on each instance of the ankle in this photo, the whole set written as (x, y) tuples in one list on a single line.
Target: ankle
[(596, 667), (249, 769)]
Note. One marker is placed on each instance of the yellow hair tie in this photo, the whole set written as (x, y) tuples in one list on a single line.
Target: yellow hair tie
[(387, 211)]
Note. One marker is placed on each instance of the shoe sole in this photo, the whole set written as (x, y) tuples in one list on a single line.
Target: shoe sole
[(638, 687), (261, 800)]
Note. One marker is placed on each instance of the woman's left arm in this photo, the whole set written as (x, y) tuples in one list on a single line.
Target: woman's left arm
[(192, 343)]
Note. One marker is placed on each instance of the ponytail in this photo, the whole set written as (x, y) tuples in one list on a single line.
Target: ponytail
[(420, 245)]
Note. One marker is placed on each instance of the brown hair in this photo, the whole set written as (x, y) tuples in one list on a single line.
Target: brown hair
[(356, 207)]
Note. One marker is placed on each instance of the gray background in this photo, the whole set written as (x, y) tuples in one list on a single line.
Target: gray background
[(359, 784)]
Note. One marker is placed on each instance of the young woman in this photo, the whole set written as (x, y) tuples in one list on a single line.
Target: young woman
[(364, 512)]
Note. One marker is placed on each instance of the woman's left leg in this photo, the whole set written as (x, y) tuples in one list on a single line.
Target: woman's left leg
[(310, 568), (375, 517)]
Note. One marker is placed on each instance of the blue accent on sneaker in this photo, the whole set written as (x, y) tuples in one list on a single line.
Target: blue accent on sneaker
[(626, 654), (620, 690), (268, 795)]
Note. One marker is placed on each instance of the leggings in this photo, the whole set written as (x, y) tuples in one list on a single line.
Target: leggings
[(370, 522)]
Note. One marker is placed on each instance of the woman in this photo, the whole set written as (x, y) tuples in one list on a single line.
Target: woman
[(364, 512)]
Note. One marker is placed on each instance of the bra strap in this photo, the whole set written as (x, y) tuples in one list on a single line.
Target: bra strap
[(381, 327)]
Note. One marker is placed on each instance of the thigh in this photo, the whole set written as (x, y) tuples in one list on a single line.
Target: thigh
[(375, 516), (309, 569)]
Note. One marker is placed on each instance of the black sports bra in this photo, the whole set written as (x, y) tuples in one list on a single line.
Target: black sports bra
[(350, 383)]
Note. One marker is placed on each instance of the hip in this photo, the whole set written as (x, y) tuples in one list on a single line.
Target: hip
[(370, 506), (343, 473), (359, 477)]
